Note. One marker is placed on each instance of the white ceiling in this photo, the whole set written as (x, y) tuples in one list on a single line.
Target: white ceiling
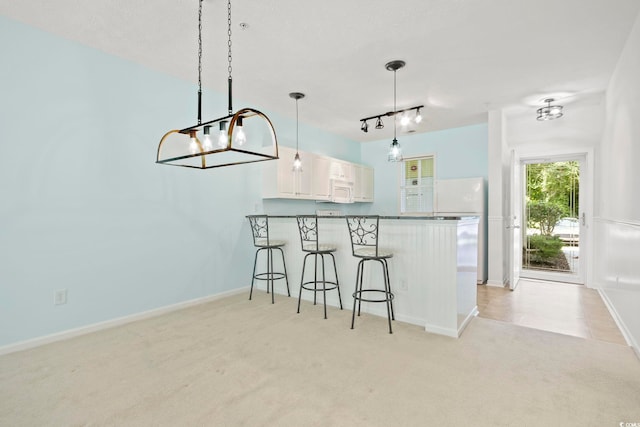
[(464, 57)]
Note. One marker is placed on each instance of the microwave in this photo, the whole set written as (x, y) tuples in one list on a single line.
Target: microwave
[(341, 191)]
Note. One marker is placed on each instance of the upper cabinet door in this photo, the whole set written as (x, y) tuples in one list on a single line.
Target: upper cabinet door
[(363, 183), (321, 178)]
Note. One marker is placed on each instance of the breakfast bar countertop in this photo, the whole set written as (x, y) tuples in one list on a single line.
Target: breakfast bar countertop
[(405, 217)]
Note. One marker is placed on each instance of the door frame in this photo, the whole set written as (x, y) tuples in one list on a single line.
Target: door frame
[(585, 156)]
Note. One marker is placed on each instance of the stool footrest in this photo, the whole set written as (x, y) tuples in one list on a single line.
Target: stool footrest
[(270, 276), (358, 295), (307, 286)]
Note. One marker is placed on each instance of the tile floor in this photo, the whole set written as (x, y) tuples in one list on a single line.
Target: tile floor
[(557, 307)]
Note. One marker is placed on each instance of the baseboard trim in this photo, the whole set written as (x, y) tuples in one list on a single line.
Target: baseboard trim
[(468, 319), (623, 329), (449, 332), (496, 283), (71, 333)]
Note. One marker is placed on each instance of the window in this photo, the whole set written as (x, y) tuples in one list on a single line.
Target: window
[(416, 185)]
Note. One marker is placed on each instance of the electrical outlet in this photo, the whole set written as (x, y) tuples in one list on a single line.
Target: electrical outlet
[(60, 297), (404, 286)]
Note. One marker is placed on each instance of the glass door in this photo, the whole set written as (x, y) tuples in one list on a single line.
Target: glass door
[(552, 220)]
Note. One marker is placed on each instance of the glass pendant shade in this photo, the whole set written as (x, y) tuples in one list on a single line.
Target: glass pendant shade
[(297, 162), (395, 151)]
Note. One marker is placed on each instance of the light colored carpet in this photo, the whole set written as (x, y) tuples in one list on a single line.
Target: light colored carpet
[(235, 362)]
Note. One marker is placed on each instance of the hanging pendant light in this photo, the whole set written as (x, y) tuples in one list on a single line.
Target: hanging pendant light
[(395, 151), (245, 136), (297, 162)]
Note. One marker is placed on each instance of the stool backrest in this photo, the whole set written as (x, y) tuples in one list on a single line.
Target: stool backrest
[(363, 231), (308, 227), (259, 229)]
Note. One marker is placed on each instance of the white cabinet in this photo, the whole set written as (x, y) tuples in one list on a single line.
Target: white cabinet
[(363, 183), (341, 170), (314, 182), (321, 178), (279, 180)]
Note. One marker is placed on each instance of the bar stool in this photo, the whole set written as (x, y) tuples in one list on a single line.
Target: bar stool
[(308, 227), (261, 240), (363, 231)]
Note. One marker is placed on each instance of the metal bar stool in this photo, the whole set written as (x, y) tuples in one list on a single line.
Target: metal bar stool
[(363, 231), (308, 227), (261, 240)]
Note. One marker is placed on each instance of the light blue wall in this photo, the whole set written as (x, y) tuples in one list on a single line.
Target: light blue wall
[(84, 206), (460, 153)]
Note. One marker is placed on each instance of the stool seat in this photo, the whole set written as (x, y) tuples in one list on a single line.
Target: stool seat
[(372, 253), (263, 243), (312, 247)]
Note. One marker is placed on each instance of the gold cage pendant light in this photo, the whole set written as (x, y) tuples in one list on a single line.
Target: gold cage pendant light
[(246, 136)]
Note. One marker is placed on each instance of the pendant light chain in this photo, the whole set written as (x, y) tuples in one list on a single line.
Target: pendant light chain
[(200, 62), (296, 126), (229, 33), (229, 79)]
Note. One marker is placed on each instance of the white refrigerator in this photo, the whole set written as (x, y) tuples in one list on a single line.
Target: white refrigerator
[(465, 197)]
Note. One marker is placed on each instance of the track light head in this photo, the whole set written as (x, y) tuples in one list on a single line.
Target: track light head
[(365, 126), (379, 124), (418, 117)]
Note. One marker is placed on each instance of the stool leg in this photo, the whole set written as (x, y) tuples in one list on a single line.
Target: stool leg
[(324, 287), (284, 266), (355, 294), (386, 267), (271, 275), (304, 263), (335, 270), (253, 277), (387, 291), (315, 277), (361, 280)]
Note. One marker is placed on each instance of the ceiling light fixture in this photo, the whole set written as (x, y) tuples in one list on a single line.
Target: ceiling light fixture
[(395, 152), (297, 162), (379, 125), (549, 112), (246, 136)]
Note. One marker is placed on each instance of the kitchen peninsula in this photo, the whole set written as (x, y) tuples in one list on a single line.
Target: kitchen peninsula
[(432, 272)]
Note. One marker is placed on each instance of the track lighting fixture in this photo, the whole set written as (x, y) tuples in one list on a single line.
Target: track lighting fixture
[(242, 134), (404, 121), (549, 112)]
